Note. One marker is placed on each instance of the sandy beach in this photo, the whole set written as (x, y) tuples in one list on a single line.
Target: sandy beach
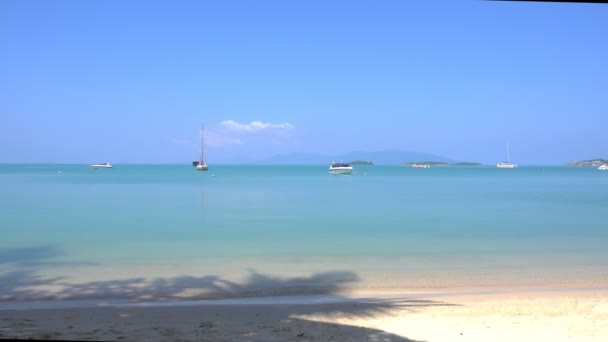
[(304, 301), (559, 315)]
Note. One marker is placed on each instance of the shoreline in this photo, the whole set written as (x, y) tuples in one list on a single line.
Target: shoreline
[(263, 277), (348, 296)]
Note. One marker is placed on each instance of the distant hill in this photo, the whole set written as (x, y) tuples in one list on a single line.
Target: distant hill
[(385, 157), (590, 162)]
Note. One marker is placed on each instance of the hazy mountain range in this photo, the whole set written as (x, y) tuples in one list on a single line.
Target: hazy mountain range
[(384, 157)]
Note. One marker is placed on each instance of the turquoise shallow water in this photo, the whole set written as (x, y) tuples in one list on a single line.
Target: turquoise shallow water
[(151, 232), (154, 212)]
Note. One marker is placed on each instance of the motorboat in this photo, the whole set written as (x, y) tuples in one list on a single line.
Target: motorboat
[(101, 166), (340, 169)]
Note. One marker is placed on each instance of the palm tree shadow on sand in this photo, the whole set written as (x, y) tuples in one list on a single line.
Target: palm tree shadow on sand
[(20, 282)]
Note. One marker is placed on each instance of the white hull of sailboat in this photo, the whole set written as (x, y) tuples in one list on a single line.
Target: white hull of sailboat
[(603, 167), (202, 167), (506, 166)]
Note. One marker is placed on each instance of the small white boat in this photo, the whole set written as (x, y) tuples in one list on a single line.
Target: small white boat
[(420, 166), (101, 166), (603, 167), (200, 164), (507, 164), (340, 169)]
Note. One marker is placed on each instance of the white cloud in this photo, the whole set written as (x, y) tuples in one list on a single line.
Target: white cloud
[(253, 126), (230, 132)]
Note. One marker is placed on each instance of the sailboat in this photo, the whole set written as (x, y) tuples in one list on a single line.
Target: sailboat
[(507, 164), (200, 164)]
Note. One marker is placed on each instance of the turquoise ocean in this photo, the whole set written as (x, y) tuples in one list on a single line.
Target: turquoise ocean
[(461, 218)]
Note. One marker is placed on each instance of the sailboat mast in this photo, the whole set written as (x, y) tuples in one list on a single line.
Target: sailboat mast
[(202, 143), (508, 151)]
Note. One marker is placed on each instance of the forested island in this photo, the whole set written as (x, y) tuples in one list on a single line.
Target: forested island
[(590, 162)]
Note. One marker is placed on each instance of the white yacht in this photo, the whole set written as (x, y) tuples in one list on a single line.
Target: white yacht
[(200, 164), (420, 166), (603, 167), (340, 169), (101, 166), (507, 164)]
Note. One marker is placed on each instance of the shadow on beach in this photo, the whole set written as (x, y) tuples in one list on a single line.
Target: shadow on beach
[(20, 282)]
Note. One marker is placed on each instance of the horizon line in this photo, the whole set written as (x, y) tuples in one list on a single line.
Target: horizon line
[(280, 164)]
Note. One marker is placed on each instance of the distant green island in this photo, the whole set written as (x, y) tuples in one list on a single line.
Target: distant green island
[(362, 162), (437, 163), (590, 162)]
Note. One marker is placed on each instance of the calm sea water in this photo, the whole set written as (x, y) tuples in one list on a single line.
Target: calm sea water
[(154, 213)]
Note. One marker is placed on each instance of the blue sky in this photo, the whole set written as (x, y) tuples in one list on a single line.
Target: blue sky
[(133, 81)]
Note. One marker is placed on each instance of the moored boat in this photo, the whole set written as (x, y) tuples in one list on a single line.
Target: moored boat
[(340, 169), (101, 166), (200, 165), (507, 164)]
